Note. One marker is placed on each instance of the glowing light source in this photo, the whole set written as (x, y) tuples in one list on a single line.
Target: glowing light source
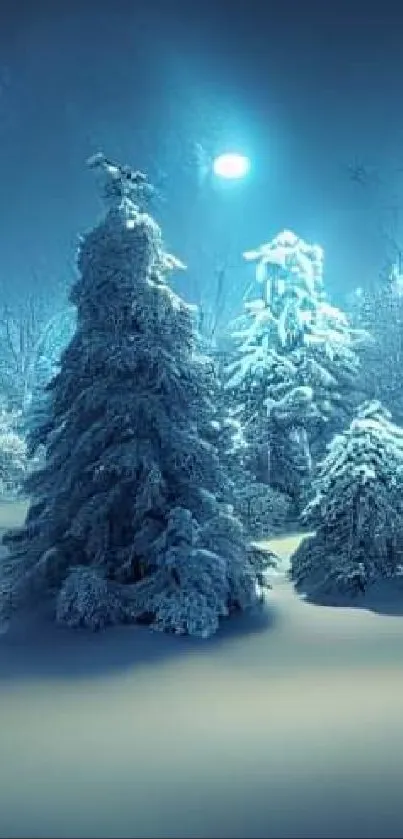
[(231, 166)]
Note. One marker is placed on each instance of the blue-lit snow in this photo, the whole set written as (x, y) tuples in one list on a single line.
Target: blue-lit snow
[(289, 729)]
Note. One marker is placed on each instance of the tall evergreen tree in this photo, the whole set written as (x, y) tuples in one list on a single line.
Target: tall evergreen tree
[(295, 364), (130, 517)]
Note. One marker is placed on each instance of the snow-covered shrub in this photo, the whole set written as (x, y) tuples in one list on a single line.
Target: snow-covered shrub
[(129, 516), (356, 510)]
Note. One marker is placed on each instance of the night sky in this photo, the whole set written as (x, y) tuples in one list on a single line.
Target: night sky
[(306, 89)]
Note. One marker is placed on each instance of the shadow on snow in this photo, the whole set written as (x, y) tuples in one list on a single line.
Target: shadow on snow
[(384, 597), (34, 646)]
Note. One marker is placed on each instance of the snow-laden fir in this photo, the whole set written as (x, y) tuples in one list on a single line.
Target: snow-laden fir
[(294, 372), (130, 516)]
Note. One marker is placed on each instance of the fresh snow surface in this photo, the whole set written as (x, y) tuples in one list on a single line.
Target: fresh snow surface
[(290, 727)]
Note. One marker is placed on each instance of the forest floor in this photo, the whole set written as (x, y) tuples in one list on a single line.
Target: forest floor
[(287, 725)]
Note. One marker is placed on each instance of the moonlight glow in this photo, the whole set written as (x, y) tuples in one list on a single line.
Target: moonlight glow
[(231, 166)]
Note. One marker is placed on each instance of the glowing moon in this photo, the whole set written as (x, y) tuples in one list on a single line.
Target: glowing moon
[(231, 166)]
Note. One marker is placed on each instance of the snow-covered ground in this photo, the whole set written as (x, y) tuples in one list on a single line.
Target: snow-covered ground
[(290, 727)]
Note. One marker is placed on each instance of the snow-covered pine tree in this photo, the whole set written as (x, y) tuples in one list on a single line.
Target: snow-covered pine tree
[(295, 363), (329, 362), (356, 511), (129, 518)]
